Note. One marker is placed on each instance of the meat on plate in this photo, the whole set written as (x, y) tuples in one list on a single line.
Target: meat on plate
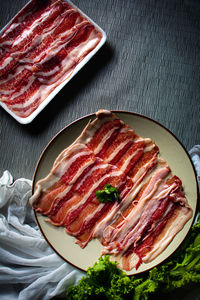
[(152, 207)]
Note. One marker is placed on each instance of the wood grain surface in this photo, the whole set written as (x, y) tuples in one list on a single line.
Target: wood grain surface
[(150, 64)]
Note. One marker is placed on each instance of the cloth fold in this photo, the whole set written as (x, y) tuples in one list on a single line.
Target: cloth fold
[(29, 269)]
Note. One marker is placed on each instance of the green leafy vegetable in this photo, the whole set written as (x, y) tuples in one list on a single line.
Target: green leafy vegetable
[(105, 281), (110, 193)]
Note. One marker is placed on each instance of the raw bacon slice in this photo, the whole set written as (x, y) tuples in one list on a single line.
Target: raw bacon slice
[(26, 20), (32, 35), (7, 65), (13, 90), (52, 69), (46, 41), (62, 176), (61, 26), (137, 209), (84, 193), (152, 207)]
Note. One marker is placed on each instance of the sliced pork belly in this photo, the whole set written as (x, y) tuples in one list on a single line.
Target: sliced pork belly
[(62, 26), (31, 35), (7, 65), (65, 56), (152, 207), (62, 177), (33, 17), (39, 50), (114, 235)]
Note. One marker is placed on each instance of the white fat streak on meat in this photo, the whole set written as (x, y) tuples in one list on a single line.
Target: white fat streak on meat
[(87, 134), (101, 205), (118, 209), (122, 144), (134, 235), (149, 147), (18, 70), (58, 171), (91, 171), (87, 219), (138, 185), (21, 19), (21, 56), (155, 225), (62, 40), (125, 262), (24, 109), (40, 93), (139, 175), (53, 45), (68, 188), (27, 31), (5, 62), (143, 172), (37, 94), (86, 46), (64, 165), (116, 150), (173, 226), (81, 183), (68, 65), (104, 139), (9, 29), (5, 94), (135, 214), (181, 200), (28, 13), (94, 187), (128, 263), (57, 21), (65, 37), (92, 127), (35, 43), (128, 160), (70, 61)]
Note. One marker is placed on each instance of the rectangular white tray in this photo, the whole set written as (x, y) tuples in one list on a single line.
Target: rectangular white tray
[(32, 116)]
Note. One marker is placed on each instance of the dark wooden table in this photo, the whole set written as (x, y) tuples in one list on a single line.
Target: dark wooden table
[(150, 64)]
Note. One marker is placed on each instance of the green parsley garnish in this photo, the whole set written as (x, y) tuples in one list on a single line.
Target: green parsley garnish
[(110, 193)]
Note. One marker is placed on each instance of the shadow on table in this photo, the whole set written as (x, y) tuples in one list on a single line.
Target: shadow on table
[(70, 92)]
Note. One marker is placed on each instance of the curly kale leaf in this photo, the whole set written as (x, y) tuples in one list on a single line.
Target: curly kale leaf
[(106, 281)]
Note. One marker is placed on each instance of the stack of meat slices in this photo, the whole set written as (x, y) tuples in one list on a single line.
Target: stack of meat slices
[(39, 50), (152, 207)]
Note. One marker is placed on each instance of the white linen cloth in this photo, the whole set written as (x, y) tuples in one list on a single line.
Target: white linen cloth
[(29, 269)]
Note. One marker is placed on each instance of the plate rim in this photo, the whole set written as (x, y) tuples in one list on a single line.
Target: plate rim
[(130, 113)]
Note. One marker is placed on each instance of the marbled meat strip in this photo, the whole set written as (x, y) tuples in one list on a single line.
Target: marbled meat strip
[(152, 207)]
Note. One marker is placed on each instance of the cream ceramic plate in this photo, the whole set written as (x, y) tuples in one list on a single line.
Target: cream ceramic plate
[(170, 149)]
